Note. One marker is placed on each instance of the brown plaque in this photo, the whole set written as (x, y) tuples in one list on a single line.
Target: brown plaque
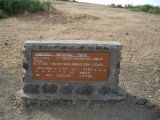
[(70, 66)]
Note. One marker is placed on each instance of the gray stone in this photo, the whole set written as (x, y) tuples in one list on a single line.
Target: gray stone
[(31, 88), (25, 65), (81, 48), (141, 101), (106, 48), (24, 78), (150, 105), (106, 90), (40, 46), (118, 65), (85, 90), (6, 43), (99, 47), (49, 88), (64, 47), (67, 89), (127, 33)]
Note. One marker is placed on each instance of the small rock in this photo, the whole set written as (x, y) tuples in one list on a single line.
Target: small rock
[(30, 88), (127, 33), (41, 36), (67, 89), (46, 88), (6, 43), (85, 90), (106, 48), (99, 47), (25, 65), (150, 96), (81, 48), (14, 107), (150, 105), (64, 47), (118, 65), (30, 117), (141, 101), (155, 30), (157, 79), (104, 90), (107, 90), (24, 78)]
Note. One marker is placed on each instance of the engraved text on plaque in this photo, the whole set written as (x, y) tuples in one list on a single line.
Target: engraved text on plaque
[(70, 66)]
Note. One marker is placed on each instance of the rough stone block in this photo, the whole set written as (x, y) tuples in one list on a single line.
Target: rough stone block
[(52, 88), (85, 90), (67, 89), (79, 69)]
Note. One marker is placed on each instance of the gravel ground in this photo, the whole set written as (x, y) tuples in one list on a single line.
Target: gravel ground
[(138, 32)]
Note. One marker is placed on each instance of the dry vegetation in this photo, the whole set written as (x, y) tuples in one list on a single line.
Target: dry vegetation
[(140, 8), (139, 34), (14, 7)]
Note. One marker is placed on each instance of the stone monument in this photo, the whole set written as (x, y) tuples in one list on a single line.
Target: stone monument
[(72, 69)]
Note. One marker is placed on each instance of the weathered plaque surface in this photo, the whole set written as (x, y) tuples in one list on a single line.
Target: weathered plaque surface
[(70, 66)]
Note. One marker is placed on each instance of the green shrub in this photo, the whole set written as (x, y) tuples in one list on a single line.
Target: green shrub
[(119, 6), (116, 6), (69, 0), (144, 8), (112, 5), (155, 10), (12, 7), (2, 14)]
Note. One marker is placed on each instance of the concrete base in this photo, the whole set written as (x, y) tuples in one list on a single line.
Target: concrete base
[(93, 97)]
